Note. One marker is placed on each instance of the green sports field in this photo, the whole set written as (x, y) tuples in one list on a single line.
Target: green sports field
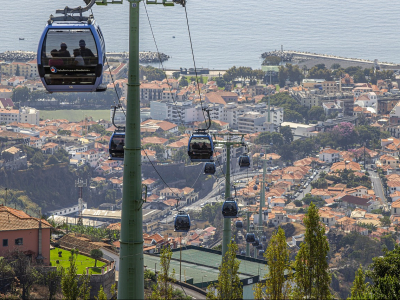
[(81, 261), (75, 115)]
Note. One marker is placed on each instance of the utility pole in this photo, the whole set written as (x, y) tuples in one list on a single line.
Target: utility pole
[(5, 201), (248, 213), (227, 231)]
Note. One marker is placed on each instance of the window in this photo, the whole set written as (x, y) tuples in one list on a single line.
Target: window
[(19, 241), (5, 242)]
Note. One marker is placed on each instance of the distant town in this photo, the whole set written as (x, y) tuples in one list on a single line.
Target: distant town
[(328, 130)]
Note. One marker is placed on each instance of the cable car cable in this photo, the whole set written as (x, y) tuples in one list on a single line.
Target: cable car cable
[(161, 63), (194, 62)]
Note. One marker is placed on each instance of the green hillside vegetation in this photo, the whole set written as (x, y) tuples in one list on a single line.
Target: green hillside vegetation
[(48, 184)]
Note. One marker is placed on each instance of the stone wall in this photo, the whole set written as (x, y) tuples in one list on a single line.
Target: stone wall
[(106, 280)]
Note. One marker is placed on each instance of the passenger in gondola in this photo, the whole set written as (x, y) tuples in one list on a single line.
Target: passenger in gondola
[(196, 146), (204, 146), (63, 52), (78, 58), (55, 60), (120, 145), (86, 53)]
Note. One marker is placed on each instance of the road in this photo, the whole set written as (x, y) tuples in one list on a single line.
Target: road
[(303, 192), (377, 186)]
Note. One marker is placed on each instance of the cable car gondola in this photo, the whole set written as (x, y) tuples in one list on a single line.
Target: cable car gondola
[(117, 144), (230, 208), (71, 53), (209, 168), (244, 161), (243, 253), (259, 246), (264, 238), (182, 222), (200, 147), (250, 237), (117, 140), (239, 224), (255, 187), (260, 252), (256, 242)]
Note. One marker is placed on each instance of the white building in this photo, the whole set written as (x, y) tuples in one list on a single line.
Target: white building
[(299, 129), (367, 100), (29, 115), (249, 122), (329, 155)]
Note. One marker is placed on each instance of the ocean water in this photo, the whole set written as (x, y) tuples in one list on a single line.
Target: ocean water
[(227, 32)]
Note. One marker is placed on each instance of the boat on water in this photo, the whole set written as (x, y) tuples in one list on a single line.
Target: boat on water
[(173, 36), (21, 39)]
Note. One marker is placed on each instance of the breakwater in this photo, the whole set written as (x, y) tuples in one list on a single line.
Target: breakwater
[(295, 56)]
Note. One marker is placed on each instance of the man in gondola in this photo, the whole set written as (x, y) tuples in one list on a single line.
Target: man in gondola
[(120, 146), (196, 145), (63, 52), (86, 53)]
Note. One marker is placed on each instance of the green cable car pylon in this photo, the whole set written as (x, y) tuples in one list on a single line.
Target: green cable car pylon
[(131, 273)]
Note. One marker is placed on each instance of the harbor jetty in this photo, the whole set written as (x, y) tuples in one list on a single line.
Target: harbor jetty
[(310, 59)]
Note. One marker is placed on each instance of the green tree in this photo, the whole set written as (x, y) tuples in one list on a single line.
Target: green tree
[(359, 77), (101, 295), (385, 275), (335, 66), (176, 75), (359, 288), (98, 129), (96, 254), (151, 73), (163, 288), (220, 82), (272, 60), (72, 286), (385, 221), (277, 255), (52, 160), (25, 272), (287, 134), (228, 285), (17, 71), (38, 159), (316, 113), (319, 71), (20, 94), (53, 282), (183, 82), (312, 278), (292, 116)]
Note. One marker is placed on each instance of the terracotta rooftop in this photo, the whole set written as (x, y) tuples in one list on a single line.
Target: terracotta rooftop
[(14, 219)]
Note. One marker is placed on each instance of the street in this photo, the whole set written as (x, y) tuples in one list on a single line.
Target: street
[(377, 186)]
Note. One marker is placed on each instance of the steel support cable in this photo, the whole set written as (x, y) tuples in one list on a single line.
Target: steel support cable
[(194, 63), (166, 77), (161, 63)]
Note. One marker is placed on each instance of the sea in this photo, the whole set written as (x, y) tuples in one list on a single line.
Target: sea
[(226, 33)]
